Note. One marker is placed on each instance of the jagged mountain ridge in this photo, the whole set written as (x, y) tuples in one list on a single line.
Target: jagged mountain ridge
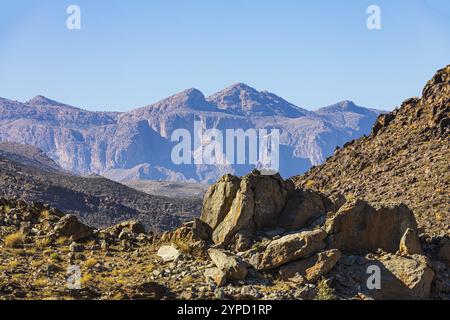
[(405, 159), (136, 144)]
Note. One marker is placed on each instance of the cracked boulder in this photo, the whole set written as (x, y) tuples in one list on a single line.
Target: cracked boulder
[(286, 249), (311, 269), (359, 227)]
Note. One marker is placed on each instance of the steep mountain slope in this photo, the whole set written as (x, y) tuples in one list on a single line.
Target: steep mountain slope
[(405, 159), (96, 200), (137, 144), (28, 155)]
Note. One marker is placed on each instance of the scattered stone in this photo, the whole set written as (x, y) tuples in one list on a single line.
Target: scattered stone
[(219, 294), (69, 226), (169, 253), (76, 247), (250, 292), (218, 276), (233, 267)]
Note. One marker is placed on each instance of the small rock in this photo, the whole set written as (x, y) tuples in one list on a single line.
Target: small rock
[(76, 247), (218, 276), (168, 253), (232, 266), (250, 292)]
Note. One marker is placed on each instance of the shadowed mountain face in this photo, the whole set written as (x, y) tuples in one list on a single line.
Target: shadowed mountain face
[(28, 155), (137, 144), (27, 174)]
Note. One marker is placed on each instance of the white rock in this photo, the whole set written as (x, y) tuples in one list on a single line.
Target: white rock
[(168, 253)]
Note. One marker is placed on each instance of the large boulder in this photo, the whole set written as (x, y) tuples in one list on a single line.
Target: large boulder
[(69, 226), (359, 227), (257, 204), (311, 269), (302, 206), (404, 278), (218, 200), (286, 249)]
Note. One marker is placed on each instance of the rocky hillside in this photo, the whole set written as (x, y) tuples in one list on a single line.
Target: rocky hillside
[(28, 155), (258, 238), (122, 146), (405, 159), (96, 200)]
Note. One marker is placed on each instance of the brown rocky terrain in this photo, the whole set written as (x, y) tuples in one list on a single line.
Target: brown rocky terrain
[(405, 159), (238, 251), (263, 237), (95, 200)]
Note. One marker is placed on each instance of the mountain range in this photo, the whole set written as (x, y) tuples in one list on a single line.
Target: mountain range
[(136, 145)]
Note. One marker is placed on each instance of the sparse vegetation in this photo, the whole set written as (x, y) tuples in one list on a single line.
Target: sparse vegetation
[(14, 240), (55, 257), (90, 263), (87, 279), (324, 291), (183, 246), (43, 243)]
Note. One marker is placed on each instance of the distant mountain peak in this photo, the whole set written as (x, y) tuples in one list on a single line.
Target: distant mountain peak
[(240, 98), (192, 93), (43, 101), (241, 86), (188, 99), (345, 106)]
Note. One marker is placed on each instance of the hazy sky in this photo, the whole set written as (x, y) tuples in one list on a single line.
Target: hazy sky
[(132, 53)]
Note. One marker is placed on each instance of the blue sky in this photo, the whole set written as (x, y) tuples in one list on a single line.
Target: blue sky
[(132, 53)]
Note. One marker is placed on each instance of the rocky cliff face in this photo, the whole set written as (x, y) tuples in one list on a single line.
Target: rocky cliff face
[(136, 144), (405, 159)]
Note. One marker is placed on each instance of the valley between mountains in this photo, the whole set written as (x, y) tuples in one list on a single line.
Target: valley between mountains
[(379, 205)]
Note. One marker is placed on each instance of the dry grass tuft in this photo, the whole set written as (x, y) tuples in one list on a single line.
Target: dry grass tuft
[(14, 240)]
